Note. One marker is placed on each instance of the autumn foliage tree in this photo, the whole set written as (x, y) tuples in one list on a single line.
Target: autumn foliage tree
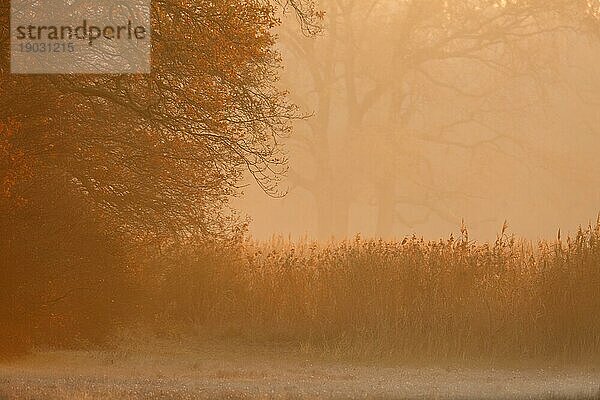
[(165, 148), (139, 159)]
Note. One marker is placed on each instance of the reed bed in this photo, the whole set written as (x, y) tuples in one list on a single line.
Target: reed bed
[(414, 299)]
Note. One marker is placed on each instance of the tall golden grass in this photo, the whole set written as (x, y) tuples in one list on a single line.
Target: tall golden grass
[(413, 299)]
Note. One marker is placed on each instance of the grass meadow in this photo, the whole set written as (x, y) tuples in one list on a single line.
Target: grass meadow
[(410, 300), (348, 319)]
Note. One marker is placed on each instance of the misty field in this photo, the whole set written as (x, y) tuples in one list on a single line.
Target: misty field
[(230, 370), (147, 217), (356, 318), (351, 319)]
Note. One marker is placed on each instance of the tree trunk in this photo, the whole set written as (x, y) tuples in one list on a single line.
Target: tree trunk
[(386, 215), (333, 215)]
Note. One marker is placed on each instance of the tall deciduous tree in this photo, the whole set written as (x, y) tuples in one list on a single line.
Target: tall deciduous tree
[(162, 152), (99, 161)]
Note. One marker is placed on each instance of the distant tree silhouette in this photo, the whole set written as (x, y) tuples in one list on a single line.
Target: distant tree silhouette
[(384, 76)]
